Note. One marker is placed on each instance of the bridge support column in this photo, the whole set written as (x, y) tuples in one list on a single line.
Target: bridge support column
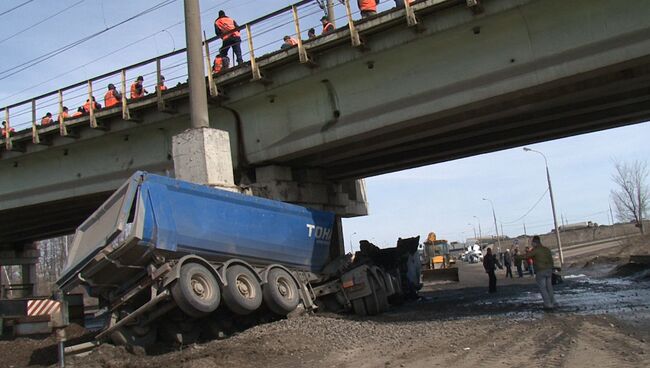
[(203, 156), (26, 257), (309, 187)]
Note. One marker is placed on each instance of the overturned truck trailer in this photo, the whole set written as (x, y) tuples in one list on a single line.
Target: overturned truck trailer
[(167, 257)]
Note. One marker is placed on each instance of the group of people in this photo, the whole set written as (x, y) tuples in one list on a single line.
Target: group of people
[(537, 255)]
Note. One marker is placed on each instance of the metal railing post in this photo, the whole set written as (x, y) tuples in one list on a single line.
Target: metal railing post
[(302, 53), (254, 67), (411, 20), (354, 35), (125, 107), (63, 131), (159, 99), (35, 137), (212, 87), (91, 106), (8, 143)]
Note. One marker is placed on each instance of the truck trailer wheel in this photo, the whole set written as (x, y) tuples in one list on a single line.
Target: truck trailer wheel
[(243, 294), (371, 301), (280, 292), (144, 336), (196, 292)]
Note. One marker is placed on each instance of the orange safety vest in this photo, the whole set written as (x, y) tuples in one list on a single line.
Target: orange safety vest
[(327, 28), (110, 99), (162, 87), (292, 41), (367, 5), (226, 25), (77, 113), (46, 121), (87, 106), (218, 64), (134, 91), (63, 116)]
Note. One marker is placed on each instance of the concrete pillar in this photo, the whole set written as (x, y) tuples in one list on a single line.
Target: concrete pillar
[(308, 187), (28, 273), (203, 156)]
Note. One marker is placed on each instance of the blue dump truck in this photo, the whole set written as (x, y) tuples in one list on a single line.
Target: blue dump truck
[(172, 259)]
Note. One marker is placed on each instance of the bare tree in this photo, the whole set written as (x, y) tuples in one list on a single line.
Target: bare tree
[(631, 195)]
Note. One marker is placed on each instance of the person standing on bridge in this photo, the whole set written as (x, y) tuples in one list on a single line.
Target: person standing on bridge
[(490, 263), (137, 89), (327, 26), (4, 130), (112, 96), (288, 43), (368, 8), (227, 29), (47, 119), (543, 260), (220, 63)]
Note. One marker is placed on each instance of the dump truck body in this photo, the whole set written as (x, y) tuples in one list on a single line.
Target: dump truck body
[(165, 253)]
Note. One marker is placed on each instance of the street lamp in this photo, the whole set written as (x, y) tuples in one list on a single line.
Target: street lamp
[(351, 235), (473, 228), (479, 227), (496, 229), (550, 192)]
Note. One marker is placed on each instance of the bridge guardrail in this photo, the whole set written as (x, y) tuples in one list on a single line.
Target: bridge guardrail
[(262, 30)]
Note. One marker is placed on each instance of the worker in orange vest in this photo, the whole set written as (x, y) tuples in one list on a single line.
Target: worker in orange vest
[(4, 129), (79, 112), (63, 115), (226, 28), (137, 90), (327, 26), (368, 8), (96, 106), (47, 119), (112, 96), (162, 87), (289, 42), (220, 63)]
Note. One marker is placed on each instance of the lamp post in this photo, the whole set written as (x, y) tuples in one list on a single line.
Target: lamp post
[(479, 227), (473, 228), (496, 228), (351, 235), (550, 192)]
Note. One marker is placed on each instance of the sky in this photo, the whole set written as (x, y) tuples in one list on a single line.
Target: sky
[(443, 198)]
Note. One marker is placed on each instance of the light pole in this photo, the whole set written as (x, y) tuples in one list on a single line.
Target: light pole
[(496, 228), (351, 235), (479, 227), (550, 192), (473, 228)]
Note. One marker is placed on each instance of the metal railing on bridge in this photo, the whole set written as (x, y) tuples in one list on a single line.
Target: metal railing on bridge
[(260, 36)]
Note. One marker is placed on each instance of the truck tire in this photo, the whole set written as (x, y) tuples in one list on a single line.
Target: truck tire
[(140, 336), (180, 333), (196, 292), (359, 307), (372, 301), (281, 292), (243, 293), (382, 298)]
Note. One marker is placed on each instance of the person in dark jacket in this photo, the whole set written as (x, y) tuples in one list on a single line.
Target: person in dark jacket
[(507, 262), (490, 263), (518, 259)]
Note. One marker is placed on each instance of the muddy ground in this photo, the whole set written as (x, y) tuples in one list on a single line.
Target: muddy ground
[(602, 321)]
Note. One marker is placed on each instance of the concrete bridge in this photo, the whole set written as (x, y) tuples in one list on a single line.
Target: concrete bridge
[(306, 123)]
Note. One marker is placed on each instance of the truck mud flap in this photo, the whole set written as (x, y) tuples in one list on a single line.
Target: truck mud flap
[(442, 274)]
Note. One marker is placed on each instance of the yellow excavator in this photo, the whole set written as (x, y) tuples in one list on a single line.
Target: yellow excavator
[(437, 263)]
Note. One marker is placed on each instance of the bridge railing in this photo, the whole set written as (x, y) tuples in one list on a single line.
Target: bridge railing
[(262, 36)]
